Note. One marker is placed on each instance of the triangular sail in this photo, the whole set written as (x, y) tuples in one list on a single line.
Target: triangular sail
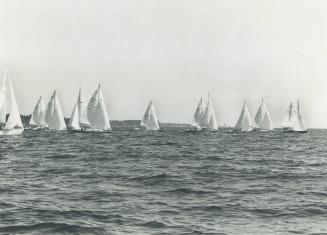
[(213, 125), (150, 119), (262, 118), (74, 119), (3, 99), (301, 121), (14, 119), (244, 122), (206, 114), (82, 110), (38, 116), (297, 120), (199, 112), (97, 111), (54, 116), (79, 119)]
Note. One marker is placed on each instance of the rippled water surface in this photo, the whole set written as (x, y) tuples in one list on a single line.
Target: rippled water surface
[(169, 182)]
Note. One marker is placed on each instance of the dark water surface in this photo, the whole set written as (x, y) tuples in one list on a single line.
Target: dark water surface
[(169, 182)]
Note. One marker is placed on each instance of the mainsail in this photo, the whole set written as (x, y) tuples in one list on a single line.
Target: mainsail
[(8, 107), (208, 118), (3, 98), (199, 112), (294, 120), (38, 116), (54, 116), (300, 118), (97, 112), (150, 120), (14, 120), (297, 123), (262, 118), (82, 110), (74, 119), (79, 118), (205, 118), (244, 122), (213, 125)]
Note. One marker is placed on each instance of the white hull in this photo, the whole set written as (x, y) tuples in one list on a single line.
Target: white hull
[(244, 131), (12, 132), (89, 131)]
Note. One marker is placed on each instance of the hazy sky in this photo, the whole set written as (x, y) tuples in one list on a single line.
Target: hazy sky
[(170, 51)]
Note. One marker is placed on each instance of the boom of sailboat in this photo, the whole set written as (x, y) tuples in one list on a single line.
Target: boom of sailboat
[(92, 116)]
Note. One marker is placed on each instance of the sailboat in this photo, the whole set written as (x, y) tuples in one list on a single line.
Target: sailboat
[(244, 122), (37, 120), (97, 112), (293, 121), (150, 120), (263, 119), (54, 117), (79, 120), (208, 119), (13, 125), (197, 116)]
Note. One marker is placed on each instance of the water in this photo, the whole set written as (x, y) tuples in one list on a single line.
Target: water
[(169, 182)]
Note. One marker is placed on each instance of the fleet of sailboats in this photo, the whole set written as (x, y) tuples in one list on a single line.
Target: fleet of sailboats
[(93, 116)]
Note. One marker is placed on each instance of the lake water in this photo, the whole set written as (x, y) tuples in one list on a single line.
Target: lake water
[(168, 182)]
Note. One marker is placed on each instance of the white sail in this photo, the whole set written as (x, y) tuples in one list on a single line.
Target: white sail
[(74, 119), (244, 123), (82, 110), (54, 116), (199, 112), (38, 115), (79, 119), (3, 100), (301, 121), (213, 125), (297, 123), (150, 119), (262, 118), (97, 112), (206, 114), (14, 120)]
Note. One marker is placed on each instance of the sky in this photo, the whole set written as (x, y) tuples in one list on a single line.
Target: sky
[(169, 51)]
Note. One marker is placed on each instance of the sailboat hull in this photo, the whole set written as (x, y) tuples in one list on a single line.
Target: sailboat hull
[(11, 132), (89, 131), (36, 127), (292, 131)]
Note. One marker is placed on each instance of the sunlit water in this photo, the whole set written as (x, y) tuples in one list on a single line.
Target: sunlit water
[(168, 182)]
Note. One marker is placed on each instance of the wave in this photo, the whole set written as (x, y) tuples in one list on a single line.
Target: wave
[(61, 156), (52, 227), (188, 191), (153, 224), (150, 177)]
